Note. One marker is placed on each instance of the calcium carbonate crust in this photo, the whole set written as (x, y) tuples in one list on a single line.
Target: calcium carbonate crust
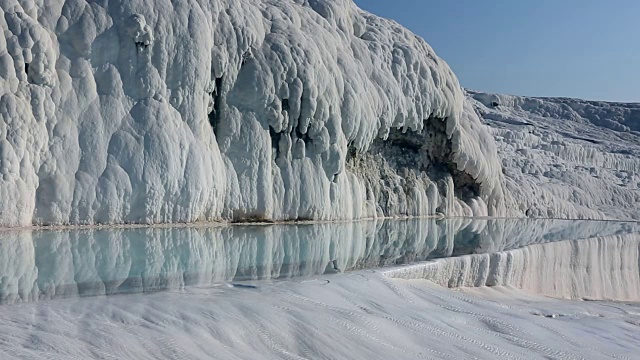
[(601, 268), (162, 111), (566, 157)]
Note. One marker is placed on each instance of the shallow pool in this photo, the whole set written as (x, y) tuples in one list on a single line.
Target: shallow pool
[(48, 264)]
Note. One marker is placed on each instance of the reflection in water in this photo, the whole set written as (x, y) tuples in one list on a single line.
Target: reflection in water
[(600, 268), (40, 265)]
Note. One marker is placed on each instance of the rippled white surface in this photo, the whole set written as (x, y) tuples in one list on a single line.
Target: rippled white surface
[(359, 314)]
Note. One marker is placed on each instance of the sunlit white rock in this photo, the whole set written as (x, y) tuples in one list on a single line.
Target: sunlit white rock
[(160, 111), (156, 111)]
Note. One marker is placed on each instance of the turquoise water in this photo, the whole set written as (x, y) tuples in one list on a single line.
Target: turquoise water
[(50, 264)]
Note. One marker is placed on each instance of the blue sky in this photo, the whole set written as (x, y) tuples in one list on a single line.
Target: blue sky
[(588, 49)]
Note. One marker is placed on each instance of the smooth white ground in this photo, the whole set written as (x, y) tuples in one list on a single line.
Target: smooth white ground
[(203, 310), (361, 315)]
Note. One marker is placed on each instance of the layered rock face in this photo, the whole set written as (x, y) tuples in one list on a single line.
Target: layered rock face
[(163, 111), (566, 158)]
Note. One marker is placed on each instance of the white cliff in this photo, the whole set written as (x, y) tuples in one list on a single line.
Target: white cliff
[(160, 111)]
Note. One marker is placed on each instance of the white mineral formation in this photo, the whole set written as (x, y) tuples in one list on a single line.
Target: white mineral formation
[(179, 111), (160, 111), (603, 268), (566, 157)]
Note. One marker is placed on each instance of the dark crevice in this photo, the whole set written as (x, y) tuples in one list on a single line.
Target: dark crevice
[(214, 116), (141, 46), (441, 158), (438, 144), (245, 57), (401, 140), (428, 151), (26, 71), (352, 152), (404, 160), (252, 219), (440, 152), (302, 111), (304, 137), (275, 141), (295, 132), (465, 186)]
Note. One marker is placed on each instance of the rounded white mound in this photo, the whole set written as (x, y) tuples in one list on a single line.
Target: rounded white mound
[(161, 111), (603, 268)]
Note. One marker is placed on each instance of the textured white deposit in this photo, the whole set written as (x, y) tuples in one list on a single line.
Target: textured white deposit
[(566, 157), (163, 111), (358, 315), (598, 268), (160, 111)]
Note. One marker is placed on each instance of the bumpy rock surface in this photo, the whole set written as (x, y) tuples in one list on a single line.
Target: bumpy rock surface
[(566, 157), (163, 111), (160, 111)]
